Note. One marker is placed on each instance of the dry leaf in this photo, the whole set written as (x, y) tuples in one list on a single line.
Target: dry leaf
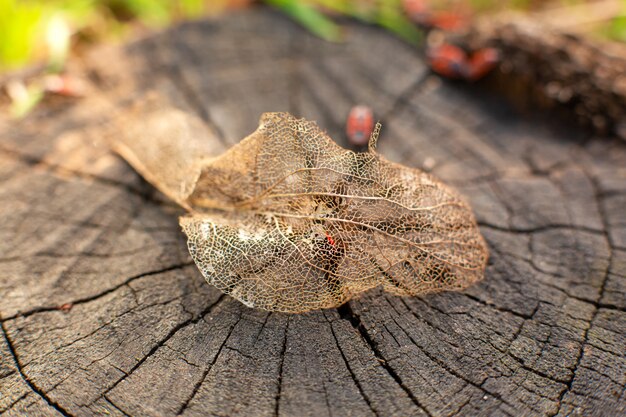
[(287, 220)]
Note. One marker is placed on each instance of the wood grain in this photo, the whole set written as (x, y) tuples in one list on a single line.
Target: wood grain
[(143, 334)]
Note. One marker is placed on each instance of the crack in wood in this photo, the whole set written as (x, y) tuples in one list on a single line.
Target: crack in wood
[(591, 301), (517, 359), (14, 403), (352, 374), (541, 229), (26, 379), (59, 348), (499, 195), (114, 405), (346, 313), (109, 255), (45, 309), (280, 371), (500, 308), (451, 371), (464, 141), (206, 371), (170, 334), (146, 194), (326, 400), (605, 223), (507, 352)]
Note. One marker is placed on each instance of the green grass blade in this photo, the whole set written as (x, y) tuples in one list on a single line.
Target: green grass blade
[(310, 18)]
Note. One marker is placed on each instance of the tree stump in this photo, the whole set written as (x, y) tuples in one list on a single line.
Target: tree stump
[(103, 312)]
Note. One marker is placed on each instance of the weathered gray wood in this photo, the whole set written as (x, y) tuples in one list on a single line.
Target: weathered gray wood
[(141, 333)]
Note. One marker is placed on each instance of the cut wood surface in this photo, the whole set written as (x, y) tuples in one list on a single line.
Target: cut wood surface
[(103, 312)]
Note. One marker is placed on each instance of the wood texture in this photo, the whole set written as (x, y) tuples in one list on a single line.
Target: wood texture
[(103, 312)]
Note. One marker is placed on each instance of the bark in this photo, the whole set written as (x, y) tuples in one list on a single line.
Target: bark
[(103, 312), (557, 70)]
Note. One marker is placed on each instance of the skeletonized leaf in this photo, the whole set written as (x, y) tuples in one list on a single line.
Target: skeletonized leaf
[(289, 221)]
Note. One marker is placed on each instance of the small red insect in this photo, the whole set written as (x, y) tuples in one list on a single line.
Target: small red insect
[(359, 125), (453, 62), (65, 307), (330, 239), (448, 60), (481, 63)]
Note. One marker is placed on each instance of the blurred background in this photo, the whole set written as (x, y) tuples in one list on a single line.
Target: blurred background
[(44, 34), (32, 31)]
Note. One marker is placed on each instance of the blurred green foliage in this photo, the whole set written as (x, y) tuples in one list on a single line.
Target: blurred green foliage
[(617, 28), (309, 16), (18, 27), (28, 27), (25, 24), (386, 13)]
